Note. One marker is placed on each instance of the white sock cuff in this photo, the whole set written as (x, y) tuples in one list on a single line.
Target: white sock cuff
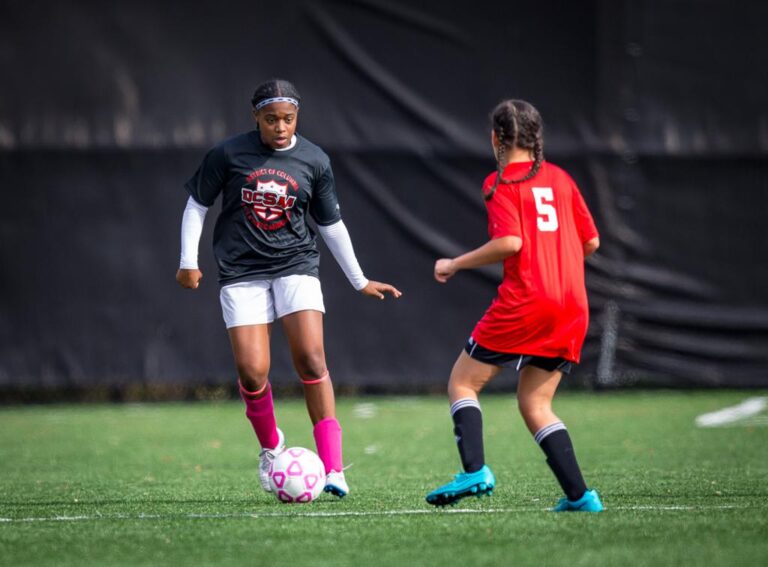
[(464, 403), (547, 430)]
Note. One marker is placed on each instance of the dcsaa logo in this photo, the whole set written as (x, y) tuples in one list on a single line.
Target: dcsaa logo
[(269, 199)]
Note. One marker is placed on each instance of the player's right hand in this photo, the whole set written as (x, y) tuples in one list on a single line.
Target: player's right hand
[(189, 279), (445, 268)]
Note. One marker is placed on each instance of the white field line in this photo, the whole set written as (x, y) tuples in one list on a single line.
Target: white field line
[(382, 513), (733, 415)]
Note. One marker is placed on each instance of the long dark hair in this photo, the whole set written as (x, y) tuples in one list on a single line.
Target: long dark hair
[(516, 123)]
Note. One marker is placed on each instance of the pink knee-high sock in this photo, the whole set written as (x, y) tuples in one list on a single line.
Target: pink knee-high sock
[(261, 413), (328, 440)]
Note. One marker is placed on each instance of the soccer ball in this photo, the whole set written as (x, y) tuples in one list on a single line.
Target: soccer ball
[(297, 476)]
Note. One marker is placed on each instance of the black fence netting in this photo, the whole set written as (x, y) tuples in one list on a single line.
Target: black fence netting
[(656, 109)]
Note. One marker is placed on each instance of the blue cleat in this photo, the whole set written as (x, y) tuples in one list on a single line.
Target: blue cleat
[(589, 502), (464, 484)]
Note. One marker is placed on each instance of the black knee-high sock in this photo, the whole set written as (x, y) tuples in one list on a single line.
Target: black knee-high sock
[(556, 444), (468, 428)]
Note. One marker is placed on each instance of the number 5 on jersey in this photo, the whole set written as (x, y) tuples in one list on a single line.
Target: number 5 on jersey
[(546, 221)]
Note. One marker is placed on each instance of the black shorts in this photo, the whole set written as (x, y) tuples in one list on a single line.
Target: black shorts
[(517, 361)]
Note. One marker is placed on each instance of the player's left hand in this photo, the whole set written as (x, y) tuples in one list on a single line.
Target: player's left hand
[(378, 289)]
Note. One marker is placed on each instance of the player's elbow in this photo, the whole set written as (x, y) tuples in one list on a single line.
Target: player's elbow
[(510, 245), (591, 246)]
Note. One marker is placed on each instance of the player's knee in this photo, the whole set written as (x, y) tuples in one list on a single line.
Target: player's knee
[(459, 382), (533, 407), (253, 375), (311, 365)]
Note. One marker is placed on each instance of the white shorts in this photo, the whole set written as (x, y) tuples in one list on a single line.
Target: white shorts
[(262, 301)]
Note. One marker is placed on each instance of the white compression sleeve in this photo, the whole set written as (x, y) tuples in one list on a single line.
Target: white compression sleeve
[(191, 230), (339, 243)]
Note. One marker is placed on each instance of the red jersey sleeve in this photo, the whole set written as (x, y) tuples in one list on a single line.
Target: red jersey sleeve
[(503, 210), (585, 224)]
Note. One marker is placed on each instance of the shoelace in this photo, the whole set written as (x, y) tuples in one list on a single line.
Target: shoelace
[(270, 452)]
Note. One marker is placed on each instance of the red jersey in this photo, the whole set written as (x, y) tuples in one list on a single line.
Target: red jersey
[(541, 307)]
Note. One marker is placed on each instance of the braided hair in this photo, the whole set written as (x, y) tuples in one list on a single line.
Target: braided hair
[(516, 124), (274, 88)]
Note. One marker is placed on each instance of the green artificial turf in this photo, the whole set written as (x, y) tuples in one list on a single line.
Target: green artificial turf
[(176, 484)]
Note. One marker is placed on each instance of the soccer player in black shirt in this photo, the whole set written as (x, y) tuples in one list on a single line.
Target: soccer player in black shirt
[(271, 179)]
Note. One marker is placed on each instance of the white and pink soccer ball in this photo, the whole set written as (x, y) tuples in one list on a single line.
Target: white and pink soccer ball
[(297, 476)]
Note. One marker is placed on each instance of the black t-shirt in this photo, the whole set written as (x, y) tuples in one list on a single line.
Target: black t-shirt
[(262, 230)]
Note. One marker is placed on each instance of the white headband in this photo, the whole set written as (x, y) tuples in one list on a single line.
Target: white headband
[(267, 101)]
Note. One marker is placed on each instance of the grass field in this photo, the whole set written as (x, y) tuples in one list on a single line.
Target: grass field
[(175, 484)]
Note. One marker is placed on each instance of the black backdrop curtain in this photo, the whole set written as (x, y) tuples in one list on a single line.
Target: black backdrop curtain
[(656, 109)]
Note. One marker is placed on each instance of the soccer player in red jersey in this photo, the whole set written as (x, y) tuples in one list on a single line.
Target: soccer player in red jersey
[(271, 180), (541, 229)]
